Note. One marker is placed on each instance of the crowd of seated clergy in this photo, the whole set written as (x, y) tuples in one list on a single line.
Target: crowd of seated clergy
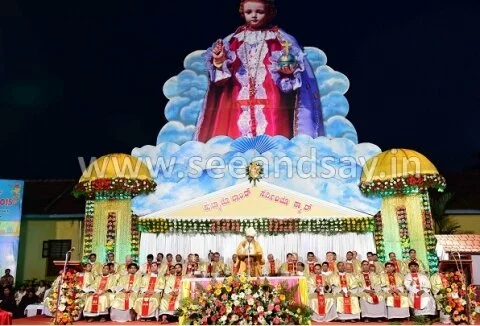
[(339, 289)]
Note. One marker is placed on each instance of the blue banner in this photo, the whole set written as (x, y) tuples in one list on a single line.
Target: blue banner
[(11, 198)]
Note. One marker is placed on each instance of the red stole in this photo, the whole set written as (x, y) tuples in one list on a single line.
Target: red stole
[(80, 280), (168, 268), (320, 296), (368, 283), (131, 278), (416, 298), (236, 267), (173, 297), (395, 264), (331, 266), (347, 303), (96, 296), (272, 268), (146, 298), (210, 268), (311, 267), (396, 297)]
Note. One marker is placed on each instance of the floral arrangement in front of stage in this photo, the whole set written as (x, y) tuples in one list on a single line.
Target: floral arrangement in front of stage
[(113, 188), (242, 300), (261, 225), (411, 184), (71, 300), (453, 298), (403, 230)]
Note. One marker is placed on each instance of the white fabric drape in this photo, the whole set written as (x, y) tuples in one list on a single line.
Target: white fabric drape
[(278, 245)]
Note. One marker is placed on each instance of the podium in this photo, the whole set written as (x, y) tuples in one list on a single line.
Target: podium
[(242, 257)]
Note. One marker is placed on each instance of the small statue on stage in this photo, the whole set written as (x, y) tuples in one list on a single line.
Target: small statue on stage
[(250, 253)]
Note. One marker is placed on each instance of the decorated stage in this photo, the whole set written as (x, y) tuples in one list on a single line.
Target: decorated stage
[(259, 160)]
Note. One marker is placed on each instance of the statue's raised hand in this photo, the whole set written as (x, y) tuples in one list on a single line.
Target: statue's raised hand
[(218, 54)]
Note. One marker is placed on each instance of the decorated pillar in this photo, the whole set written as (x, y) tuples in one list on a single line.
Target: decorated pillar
[(402, 178), (108, 185)]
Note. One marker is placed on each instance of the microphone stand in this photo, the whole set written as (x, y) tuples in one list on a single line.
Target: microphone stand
[(60, 285), (248, 260)]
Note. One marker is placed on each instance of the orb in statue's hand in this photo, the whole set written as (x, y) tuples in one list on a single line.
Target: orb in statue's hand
[(287, 64)]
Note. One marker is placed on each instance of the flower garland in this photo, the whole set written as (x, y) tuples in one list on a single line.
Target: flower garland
[(378, 234), (88, 229), (403, 230), (429, 233), (411, 184), (452, 298), (111, 233), (113, 188), (261, 225), (240, 300), (135, 240), (71, 301)]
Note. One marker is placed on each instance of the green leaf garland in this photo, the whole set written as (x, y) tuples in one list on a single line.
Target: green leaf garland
[(269, 226)]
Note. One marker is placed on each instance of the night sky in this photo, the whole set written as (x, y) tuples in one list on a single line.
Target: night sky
[(85, 78)]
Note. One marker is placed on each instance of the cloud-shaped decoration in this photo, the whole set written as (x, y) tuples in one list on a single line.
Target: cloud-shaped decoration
[(175, 132), (325, 168), (334, 104), (186, 93), (338, 126), (194, 61), (330, 80), (186, 83), (315, 56)]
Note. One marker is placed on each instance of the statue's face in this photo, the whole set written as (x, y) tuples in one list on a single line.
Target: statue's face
[(254, 13)]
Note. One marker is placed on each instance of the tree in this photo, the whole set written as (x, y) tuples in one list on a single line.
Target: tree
[(443, 223)]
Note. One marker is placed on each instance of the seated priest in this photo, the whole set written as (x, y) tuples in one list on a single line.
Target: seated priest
[(111, 260), (354, 264), (372, 302), (371, 260), (439, 282), (100, 296), (126, 293), (147, 303), (419, 292), (413, 258), (289, 267), (400, 266), (123, 268), (311, 262), (320, 299), (171, 295), (250, 253), (345, 288), (394, 291), (272, 266), (97, 266)]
